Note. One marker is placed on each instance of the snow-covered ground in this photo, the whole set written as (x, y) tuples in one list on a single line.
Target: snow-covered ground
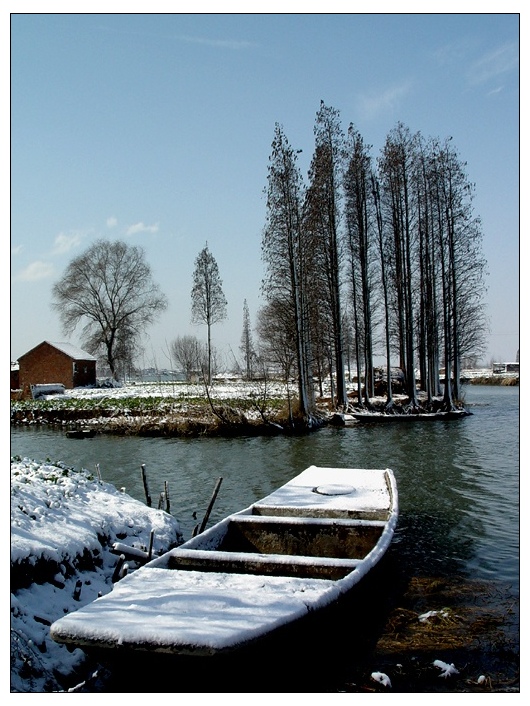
[(229, 389), (65, 522)]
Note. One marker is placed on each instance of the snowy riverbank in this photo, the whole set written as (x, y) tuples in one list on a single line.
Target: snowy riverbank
[(63, 526), (168, 408)]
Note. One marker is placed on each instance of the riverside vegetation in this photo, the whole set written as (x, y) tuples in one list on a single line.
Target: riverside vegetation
[(181, 409)]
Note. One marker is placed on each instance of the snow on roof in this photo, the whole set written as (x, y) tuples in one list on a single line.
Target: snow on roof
[(72, 351), (68, 348)]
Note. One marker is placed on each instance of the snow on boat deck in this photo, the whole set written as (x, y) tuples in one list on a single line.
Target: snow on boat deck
[(163, 609), (328, 489)]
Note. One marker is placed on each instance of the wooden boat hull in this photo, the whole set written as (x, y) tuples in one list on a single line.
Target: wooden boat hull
[(297, 551)]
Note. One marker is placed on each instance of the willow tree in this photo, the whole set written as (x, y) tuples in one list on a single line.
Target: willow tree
[(208, 302), (110, 291), (286, 258)]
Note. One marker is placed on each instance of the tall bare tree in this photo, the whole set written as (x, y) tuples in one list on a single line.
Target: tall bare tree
[(460, 238), (208, 302), (287, 259), (109, 289), (323, 215), (247, 344), (397, 170), (360, 246)]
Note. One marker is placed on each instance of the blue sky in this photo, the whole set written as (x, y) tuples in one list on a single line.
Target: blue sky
[(156, 129)]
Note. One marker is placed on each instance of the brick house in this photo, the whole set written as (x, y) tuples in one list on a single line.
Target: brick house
[(56, 363)]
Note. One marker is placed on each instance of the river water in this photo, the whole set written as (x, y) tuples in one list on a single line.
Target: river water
[(458, 481)]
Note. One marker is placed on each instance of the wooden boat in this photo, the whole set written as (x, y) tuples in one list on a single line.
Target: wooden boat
[(377, 417), (296, 551)]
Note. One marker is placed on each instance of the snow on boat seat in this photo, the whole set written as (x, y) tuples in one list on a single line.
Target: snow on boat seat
[(263, 564)]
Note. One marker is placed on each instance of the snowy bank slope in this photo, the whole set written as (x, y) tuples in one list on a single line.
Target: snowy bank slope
[(63, 525)]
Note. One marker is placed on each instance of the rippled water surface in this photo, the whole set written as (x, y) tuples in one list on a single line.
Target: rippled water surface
[(458, 481)]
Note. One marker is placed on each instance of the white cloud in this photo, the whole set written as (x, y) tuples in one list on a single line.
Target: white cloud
[(112, 221), (495, 90), (17, 250), (492, 65), (385, 101), (141, 228), (65, 242), (35, 271)]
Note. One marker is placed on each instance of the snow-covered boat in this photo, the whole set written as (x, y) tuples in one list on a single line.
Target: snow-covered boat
[(296, 551)]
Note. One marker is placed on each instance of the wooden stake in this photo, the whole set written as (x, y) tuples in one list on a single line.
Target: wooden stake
[(77, 590), (146, 488), (210, 506), (118, 567), (166, 490), (150, 550)]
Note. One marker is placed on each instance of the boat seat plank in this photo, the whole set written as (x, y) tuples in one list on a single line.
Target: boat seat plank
[(256, 563), (308, 521)]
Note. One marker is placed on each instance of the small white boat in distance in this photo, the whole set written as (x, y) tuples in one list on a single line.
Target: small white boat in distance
[(296, 551)]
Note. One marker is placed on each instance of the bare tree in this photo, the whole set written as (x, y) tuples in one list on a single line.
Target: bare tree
[(109, 288), (397, 168), (187, 352), (288, 262), (208, 303), (247, 345), (322, 220), (360, 248)]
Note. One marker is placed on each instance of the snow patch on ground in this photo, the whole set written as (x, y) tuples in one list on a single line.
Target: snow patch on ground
[(57, 514)]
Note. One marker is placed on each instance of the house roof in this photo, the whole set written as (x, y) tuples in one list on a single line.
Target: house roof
[(68, 349), (72, 351)]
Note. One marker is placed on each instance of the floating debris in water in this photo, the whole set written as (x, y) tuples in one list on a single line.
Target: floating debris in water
[(381, 678), (424, 617), (447, 669)]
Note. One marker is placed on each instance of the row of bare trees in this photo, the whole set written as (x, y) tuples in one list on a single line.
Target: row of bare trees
[(377, 256), (370, 257)]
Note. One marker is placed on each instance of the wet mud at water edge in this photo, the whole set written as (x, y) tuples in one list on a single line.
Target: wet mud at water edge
[(473, 625)]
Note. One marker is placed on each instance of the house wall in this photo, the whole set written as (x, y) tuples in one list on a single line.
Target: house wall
[(15, 381), (84, 373), (46, 364)]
